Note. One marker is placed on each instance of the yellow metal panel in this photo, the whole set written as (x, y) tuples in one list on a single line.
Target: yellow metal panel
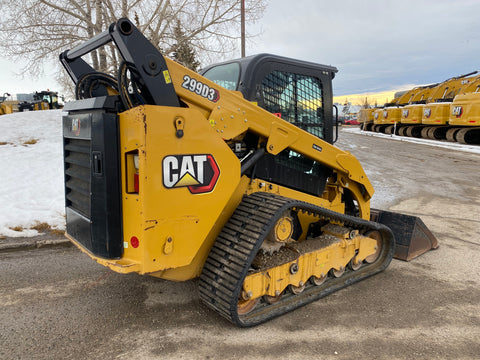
[(378, 116), (412, 114), (465, 110), (436, 113), (194, 269), (280, 138), (355, 172), (365, 115), (258, 185), (391, 115), (175, 212), (170, 222), (317, 263)]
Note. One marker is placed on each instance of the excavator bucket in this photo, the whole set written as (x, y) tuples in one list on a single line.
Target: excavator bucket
[(412, 236)]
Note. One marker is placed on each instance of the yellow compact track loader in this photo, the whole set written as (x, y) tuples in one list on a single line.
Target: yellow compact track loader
[(42, 100), (6, 107), (230, 177)]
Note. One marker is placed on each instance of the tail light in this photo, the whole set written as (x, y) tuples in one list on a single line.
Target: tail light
[(136, 162), (132, 169)]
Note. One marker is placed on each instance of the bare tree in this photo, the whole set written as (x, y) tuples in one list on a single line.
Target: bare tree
[(38, 30), (346, 107)]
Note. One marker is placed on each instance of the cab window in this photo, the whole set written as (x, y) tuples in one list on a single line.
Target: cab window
[(225, 75), (295, 98)]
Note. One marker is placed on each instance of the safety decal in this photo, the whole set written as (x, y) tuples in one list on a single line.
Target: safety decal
[(76, 126), (200, 88), (427, 112), (317, 147), (166, 76), (198, 172)]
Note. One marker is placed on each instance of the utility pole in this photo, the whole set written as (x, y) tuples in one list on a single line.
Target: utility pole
[(242, 20)]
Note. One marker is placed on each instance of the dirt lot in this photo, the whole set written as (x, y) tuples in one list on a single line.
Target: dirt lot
[(57, 303)]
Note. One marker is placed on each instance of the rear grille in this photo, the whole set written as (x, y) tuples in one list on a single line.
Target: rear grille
[(92, 176), (77, 175)]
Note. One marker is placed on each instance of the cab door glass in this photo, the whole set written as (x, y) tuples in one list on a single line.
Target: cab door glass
[(295, 98), (225, 75)]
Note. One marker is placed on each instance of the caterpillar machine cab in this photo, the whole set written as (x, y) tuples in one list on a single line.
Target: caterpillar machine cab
[(42, 100), (169, 174)]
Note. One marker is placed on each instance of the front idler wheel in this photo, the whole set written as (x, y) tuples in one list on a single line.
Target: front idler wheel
[(246, 304), (374, 234)]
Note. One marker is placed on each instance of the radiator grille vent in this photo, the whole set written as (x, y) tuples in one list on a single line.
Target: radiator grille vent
[(77, 175)]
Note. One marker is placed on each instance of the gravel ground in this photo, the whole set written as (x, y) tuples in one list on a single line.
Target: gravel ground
[(58, 304)]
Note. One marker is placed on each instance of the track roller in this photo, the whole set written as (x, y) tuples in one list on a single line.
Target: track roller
[(425, 131), (438, 132), (414, 131), (451, 134)]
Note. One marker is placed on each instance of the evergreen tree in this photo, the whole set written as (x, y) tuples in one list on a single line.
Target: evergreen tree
[(183, 51)]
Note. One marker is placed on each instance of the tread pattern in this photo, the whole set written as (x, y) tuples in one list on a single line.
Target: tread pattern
[(230, 257), (239, 241)]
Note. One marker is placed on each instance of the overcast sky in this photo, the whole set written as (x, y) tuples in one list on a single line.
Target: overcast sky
[(12, 82), (375, 44)]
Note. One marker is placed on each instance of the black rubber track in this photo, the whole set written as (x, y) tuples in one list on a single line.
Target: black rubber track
[(230, 258), (468, 136)]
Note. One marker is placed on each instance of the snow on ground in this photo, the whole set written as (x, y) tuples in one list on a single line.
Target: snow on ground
[(31, 154), (443, 144)]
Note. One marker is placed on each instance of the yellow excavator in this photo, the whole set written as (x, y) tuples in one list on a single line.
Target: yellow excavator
[(430, 119), (464, 116), (387, 118), (411, 112), (448, 110), (365, 118), (230, 176)]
